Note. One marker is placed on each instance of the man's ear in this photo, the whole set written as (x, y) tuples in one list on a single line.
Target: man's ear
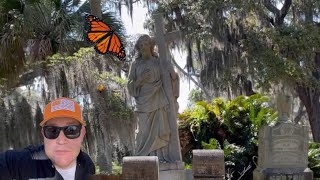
[(42, 132), (84, 131)]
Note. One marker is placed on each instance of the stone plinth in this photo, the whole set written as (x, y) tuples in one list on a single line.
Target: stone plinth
[(140, 168), (208, 164), (282, 173), (173, 171), (171, 166), (176, 175)]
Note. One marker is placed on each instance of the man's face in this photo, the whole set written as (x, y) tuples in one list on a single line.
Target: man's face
[(62, 151)]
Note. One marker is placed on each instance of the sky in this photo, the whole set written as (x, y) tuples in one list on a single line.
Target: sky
[(139, 13)]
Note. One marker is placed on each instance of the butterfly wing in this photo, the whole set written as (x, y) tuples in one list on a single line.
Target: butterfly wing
[(111, 44), (106, 41), (97, 28)]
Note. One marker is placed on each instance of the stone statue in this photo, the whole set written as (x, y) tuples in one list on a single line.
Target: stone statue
[(154, 131)]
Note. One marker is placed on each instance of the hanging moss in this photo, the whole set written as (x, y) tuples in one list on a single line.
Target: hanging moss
[(110, 125)]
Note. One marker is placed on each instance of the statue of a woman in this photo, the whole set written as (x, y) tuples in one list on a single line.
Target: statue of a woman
[(152, 104)]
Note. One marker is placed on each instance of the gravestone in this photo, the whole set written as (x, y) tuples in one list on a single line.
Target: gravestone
[(140, 168), (283, 148), (208, 164)]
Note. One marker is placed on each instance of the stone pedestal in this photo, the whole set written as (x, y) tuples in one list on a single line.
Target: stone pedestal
[(171, 166), (175, 175), (282, 173), (208, 165), (140, 168), (173, 171)]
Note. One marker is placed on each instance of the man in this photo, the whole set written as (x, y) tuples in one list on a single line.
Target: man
[(63, 130)]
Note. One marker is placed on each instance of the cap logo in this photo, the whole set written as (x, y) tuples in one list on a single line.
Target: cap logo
[(62, 104)]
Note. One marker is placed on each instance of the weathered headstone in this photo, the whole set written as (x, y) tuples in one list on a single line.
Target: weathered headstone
[(140, 168), (208, 164), (283, 149)]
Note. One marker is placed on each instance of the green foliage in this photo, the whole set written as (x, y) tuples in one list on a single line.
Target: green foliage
[(32, 30), (314, 158), (201, 120), (248, 114), (118, 108), (82, 55), (213, 144), (291, 56), (271, 42), (116, 169), (233, 153), (195, 95), (188, 166), (8, 5), (108, 76), (244, 116), (230, 125)]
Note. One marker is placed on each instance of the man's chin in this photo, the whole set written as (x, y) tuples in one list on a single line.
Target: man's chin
[(63, 164)]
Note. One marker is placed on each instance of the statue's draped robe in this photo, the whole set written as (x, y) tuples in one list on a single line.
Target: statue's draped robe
[(153, 130)]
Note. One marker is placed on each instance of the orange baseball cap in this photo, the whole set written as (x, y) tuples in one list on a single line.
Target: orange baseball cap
[(62, 107)]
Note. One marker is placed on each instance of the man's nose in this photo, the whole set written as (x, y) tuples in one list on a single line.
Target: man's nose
[(61, 139)]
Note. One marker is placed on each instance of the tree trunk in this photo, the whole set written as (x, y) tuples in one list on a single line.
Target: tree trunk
[(95, 6), (3, 131), (38, 118), (310, 98), (300, 114)]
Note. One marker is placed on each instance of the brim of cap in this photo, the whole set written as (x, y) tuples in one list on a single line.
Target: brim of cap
[(46, 120)]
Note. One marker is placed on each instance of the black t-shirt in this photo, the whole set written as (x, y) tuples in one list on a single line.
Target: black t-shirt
[(33, 163)]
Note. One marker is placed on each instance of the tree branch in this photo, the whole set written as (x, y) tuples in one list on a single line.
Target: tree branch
[(264, 18), (271, 7), (285, 8), (208, 97), (279, 14), (300, 114)]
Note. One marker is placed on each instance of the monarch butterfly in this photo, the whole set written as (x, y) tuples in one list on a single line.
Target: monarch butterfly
[(106, 41)]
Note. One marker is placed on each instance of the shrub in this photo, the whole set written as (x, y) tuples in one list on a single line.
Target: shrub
[(232, 126)]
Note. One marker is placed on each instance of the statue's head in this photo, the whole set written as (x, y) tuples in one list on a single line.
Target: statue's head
[(145, 46)]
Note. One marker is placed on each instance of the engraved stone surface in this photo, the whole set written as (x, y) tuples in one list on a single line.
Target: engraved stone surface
[(140, 168), (208, 164), (283, 148), (289, 146), (285, 145)]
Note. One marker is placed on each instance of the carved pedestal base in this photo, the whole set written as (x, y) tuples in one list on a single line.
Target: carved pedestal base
[(282, 173)]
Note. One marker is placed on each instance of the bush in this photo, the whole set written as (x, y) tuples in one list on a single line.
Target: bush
[(232, 126), (314, 158)]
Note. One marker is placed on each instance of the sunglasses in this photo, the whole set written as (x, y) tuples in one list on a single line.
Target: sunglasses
[(71, 131)]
